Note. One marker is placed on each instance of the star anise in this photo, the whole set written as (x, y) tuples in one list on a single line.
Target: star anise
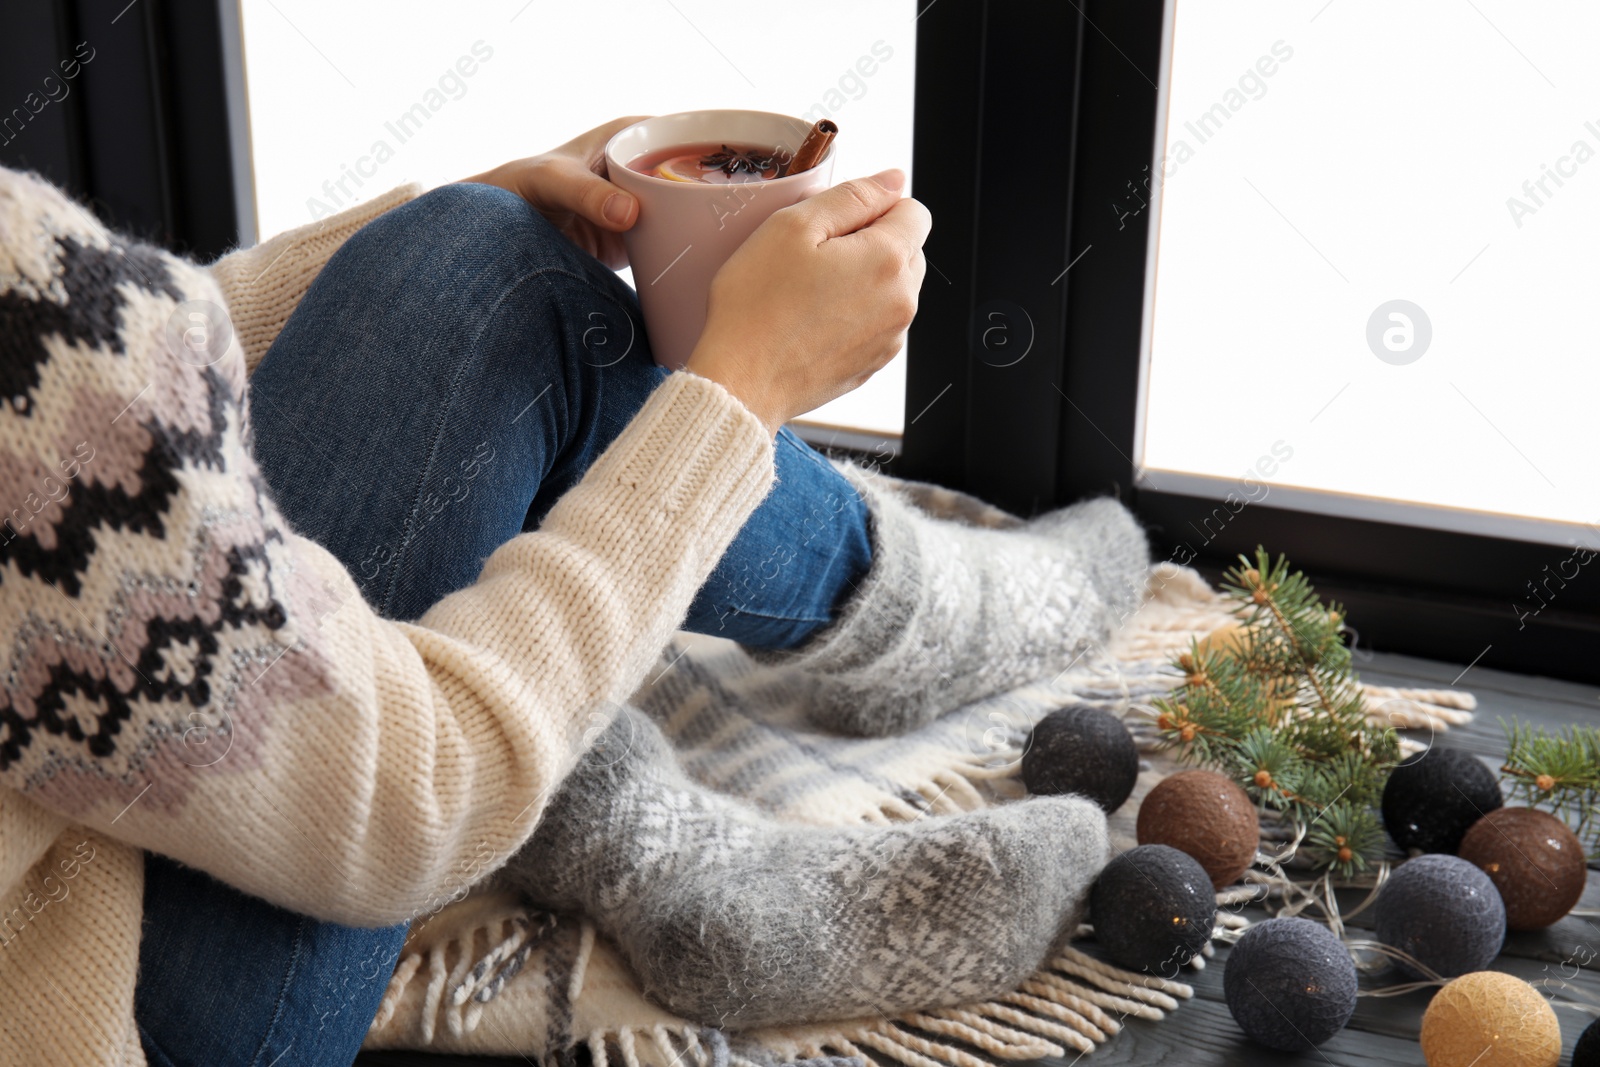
[(731, 161)]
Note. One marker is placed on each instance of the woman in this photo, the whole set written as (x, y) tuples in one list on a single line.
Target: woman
[(231, 772)]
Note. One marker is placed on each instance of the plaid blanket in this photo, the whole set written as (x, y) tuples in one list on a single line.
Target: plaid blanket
[(489, 975)]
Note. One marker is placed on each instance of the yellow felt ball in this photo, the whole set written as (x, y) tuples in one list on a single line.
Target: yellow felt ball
[(1490, 1019), (1226, 638)]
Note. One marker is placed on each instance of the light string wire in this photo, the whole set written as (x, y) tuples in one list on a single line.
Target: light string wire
[(1370, 957)]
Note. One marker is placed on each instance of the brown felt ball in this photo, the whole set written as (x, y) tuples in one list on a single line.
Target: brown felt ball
[(1490, 1019), (1206, 815), (1533, 859)]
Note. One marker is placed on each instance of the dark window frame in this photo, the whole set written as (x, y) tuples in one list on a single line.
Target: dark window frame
[(1059, 425), (142, 134)]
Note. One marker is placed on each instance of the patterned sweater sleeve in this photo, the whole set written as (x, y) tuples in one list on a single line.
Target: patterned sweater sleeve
[(185, 673)]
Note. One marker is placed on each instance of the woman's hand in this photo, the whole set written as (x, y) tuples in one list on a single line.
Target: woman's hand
[(817, 299), (568, 186)]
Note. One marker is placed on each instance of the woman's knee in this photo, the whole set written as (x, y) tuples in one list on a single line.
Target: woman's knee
[(452, 262), (481, 221), (478, 243), (472, 210)]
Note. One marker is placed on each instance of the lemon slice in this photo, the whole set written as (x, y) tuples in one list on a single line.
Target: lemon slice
[(682, 169)]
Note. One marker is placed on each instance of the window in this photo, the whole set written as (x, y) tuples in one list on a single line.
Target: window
[(1371, 284), (343, 105), (1214, 329)]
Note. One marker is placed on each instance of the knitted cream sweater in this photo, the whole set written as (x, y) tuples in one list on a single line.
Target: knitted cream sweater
[(185, 674)]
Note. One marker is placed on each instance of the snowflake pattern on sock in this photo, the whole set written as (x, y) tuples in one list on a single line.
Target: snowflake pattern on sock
[(735, 919)]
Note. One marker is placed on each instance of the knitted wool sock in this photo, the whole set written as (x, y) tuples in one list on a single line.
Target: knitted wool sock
[(733, 919), (951, 612)]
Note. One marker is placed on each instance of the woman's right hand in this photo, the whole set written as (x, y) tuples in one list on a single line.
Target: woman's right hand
[(817, 299)]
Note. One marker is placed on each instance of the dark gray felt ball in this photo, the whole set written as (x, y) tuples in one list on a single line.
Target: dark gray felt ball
[(1586, 1053), (1290, 984), (1153, 909), (1432, 799), (1083, 750), (1443, 911)]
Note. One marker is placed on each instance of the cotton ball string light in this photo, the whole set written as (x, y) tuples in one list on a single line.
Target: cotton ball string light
[(1586, 1053), (1443, 912), (1081, 750), (1490, 1019), (1533, 859), (1432, 798), (1153, 909), (1208, 816), (1290, 984)]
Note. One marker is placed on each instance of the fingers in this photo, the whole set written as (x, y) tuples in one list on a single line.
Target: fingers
[(907, 222), (591, 146), (849, 206), (573, 178), (564, 183)]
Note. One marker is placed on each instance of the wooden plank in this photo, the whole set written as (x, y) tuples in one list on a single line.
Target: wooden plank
[(1202, 1033), (1579, 697)]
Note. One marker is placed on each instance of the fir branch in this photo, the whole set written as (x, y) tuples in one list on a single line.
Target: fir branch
[(1557, 772), (1288, 600), (1344, 838), (1278, 709)]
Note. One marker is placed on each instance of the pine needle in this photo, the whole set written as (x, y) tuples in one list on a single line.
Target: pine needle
[(1279, 710)]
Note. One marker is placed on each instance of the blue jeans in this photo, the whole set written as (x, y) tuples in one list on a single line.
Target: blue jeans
[(453, 370)]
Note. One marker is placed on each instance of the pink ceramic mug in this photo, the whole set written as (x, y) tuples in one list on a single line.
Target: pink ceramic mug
[(686, 230)]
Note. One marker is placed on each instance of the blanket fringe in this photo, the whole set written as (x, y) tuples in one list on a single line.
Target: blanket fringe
[(580, 964), (1418, 709), (976, 771), (470, 969), (957, 787), (1063, 1001), (398, 981), (893, 809), (1074, 1029), (1050, 1015), (1148, 987), (905, 1047), (626, 1046), (666, 1040), (950, 791), (987, 1034)]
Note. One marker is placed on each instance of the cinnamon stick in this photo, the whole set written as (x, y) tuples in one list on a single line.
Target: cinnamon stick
[(813, 148)]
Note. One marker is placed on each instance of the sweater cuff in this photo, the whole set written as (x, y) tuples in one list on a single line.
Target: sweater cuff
[(694, 455), (264, 284)]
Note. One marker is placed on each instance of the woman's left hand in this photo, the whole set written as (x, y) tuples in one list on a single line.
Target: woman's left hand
[(568, 186)]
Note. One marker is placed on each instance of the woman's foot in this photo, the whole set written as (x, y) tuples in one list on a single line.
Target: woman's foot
[(733, 919), (952, 612)]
